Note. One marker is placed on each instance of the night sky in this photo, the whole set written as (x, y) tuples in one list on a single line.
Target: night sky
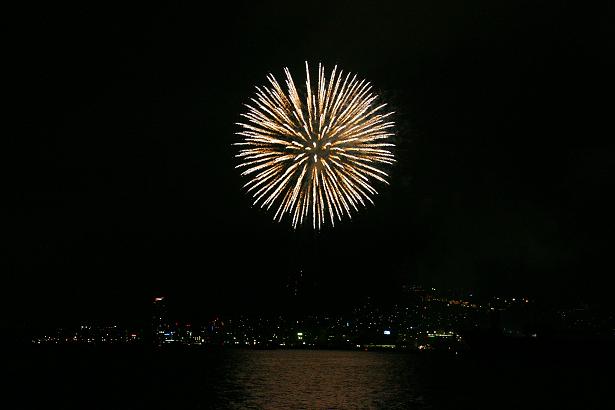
[(121, 184)]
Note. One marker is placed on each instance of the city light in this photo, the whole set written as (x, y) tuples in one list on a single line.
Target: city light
[(433, 321)]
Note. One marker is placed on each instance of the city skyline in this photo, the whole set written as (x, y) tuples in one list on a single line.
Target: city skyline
[(416, 312)]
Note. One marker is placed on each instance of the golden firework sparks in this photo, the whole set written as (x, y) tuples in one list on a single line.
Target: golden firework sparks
[(318, 154)]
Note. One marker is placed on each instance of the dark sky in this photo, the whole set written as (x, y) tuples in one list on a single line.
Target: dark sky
[(121, 181)]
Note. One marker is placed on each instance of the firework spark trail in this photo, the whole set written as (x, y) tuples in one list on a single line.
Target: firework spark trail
[(318, 154)]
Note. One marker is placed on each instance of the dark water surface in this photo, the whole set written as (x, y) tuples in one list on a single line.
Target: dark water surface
[(89, 378)]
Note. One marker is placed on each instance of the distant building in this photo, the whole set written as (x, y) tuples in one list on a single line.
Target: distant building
[(160, 321), (294, 284)]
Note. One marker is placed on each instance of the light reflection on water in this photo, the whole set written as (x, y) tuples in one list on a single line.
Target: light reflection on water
[(320, 379), (219, 378)]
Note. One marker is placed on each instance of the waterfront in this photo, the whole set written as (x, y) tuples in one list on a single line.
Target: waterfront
[(137, 378)]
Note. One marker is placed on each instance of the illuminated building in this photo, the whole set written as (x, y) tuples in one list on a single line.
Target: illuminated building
[(160, 321)]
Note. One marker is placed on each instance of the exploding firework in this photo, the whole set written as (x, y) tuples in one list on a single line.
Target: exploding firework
[(318, 154)]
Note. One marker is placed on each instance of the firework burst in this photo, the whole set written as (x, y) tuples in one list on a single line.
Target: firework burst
[(316, 154)]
